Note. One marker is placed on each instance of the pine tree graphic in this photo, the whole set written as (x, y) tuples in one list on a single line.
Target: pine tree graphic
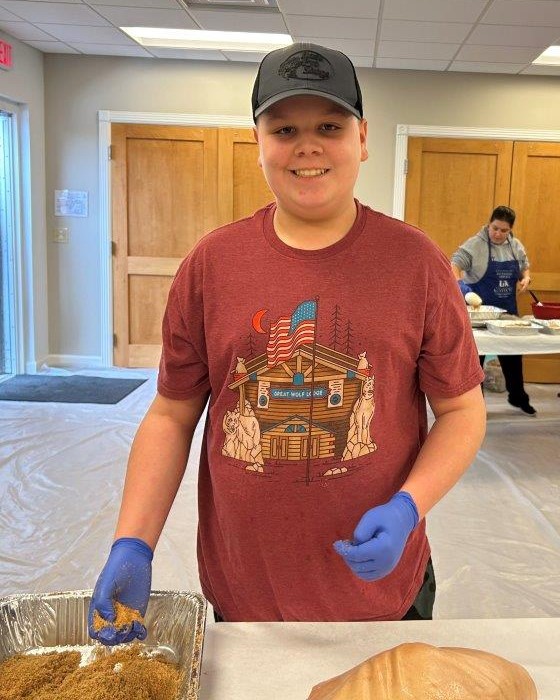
[(348, 348), (250, 345), (335, 328)]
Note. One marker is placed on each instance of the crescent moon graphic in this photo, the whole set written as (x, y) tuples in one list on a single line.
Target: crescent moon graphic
[(257, 318)]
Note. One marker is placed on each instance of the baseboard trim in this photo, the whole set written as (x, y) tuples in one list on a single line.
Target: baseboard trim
[(73, 362)]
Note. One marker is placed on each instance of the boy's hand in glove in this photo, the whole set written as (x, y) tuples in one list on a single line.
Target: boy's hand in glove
[(380, 538), (126, 578)]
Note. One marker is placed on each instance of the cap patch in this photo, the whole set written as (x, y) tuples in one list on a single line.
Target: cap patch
[(306, 65)]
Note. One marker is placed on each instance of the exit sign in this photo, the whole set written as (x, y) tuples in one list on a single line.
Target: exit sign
[(5, 55)]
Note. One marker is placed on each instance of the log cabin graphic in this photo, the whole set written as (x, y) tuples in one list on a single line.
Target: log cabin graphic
[(300, 401)]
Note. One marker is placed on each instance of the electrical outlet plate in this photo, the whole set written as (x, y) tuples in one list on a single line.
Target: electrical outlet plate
[(60, 235)]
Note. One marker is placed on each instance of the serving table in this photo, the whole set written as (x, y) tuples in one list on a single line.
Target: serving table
[(493, 344), (283, 660)]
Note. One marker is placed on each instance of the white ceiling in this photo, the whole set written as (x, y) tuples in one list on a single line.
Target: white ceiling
[(486, 36)]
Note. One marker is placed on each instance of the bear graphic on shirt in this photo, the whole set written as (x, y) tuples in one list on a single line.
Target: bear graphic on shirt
[(359, 436), (243, 437)]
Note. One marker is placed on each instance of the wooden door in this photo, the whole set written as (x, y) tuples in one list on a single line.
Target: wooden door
[(535, 184), (163, 186), (170, 186), (241, 184), (453, 184)]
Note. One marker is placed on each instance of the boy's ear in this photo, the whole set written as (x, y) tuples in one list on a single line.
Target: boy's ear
[(256, 136), (363, 140)]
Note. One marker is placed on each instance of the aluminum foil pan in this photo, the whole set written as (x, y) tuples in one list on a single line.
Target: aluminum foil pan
[(549, 326), (175, 622), (485, 313), (519, 327)]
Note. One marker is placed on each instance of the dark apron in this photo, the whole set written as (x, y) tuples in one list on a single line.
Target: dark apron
[(498, 286)]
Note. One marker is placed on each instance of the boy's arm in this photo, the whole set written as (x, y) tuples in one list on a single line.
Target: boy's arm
[(155, 468), (156, 465), (449, 449)]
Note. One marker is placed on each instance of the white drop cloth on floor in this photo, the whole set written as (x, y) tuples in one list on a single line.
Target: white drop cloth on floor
[(495, 536)]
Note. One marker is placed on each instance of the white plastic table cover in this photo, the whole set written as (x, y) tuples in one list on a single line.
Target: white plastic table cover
[(493, 344), (495, 537), (284, 660)]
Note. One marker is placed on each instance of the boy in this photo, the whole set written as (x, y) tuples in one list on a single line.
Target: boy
[(317, 352)]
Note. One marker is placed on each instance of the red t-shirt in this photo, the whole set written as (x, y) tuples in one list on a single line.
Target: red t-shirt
[(318, 363)]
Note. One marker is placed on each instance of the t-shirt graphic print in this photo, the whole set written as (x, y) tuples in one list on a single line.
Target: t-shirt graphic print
[(300, 401)]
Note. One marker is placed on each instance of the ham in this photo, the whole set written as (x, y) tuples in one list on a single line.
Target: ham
[(425, 672)]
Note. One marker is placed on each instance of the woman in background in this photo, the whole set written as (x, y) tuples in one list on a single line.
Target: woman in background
[(493, 264)]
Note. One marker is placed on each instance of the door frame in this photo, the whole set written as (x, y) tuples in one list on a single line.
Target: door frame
[(18, 264), (403, 131), (105, 118)]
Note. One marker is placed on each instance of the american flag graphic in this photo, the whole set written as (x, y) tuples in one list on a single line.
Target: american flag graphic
[(289, 332)]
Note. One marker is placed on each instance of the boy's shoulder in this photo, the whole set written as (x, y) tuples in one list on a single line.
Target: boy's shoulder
[(398, 235), (233, 233)]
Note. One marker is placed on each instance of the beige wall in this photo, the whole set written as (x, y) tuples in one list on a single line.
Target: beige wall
[(76, 87), (23, 85)]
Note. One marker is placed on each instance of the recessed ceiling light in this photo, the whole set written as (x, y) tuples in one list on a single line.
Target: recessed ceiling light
[(206, 40), (550, 57)]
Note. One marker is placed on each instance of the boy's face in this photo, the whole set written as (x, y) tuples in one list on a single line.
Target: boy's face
[(310, 150)]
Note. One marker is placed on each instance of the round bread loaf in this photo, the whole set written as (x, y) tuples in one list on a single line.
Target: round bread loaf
[(473, 299), (425, 672)]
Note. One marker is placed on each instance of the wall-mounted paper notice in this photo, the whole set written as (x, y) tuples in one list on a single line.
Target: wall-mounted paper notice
[(70, 203)]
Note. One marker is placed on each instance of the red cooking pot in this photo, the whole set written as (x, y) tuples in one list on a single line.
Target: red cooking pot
[(546, 310)]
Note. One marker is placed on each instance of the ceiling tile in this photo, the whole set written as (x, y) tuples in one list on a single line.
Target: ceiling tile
[(24, 31), (362, 61), (401, 49), (187, 54), (343, 28), (99, 35), (532, 13), (513, 36), (437, 32), (541, 70), (497, 54), (170, 4), (51, 47), (434, 10), (478, 67), (244, 56), (56, 12), (240, 20), (9, 16), (410, 64), (331, 8), (147, 17), (355, 47), (110, 50), (424, 34)]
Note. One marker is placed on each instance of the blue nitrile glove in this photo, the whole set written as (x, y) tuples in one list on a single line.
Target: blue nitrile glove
[(464, 287), (380, 537), (127, 578)]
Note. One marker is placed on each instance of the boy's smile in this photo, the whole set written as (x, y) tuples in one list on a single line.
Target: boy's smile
[(310, 150), (315, 172)]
